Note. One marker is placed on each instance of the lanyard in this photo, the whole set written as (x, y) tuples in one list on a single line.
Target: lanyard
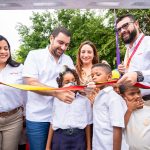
[(135, 49)]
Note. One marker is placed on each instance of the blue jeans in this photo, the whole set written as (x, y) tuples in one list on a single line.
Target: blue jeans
[(37, 133)]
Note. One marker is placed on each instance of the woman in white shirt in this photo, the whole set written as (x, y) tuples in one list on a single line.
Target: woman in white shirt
[(11, 99)]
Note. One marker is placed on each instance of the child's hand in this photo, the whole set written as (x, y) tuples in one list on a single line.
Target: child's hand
[(91, 84), (89, 148), (90, 87), (140, 103), (48, 149), (132, 105), (91, 91), (136, 104)]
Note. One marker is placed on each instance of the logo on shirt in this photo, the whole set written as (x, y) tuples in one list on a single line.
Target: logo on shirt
[(14, 73), (140, 53)]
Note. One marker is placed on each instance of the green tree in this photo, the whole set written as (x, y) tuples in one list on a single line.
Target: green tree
[(36, 36), (142, 15), (84, 25)]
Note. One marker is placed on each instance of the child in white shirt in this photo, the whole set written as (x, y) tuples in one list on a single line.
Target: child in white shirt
[(137, 118), (70, 122), (108, 112)]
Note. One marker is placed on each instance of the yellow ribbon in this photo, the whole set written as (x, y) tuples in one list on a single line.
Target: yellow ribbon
[(28, 87), (45, 88)]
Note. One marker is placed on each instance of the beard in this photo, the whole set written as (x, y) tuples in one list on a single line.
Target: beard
[(131, 37), (56, 52)]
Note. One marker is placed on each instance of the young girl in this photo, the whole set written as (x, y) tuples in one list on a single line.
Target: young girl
[(137, 119), (70, 129)]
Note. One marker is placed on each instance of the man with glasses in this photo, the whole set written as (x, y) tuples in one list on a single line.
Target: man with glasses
[(136, 66)]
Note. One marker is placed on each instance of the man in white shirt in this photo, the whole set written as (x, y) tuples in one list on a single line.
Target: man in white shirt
[(136, 67), (41, 68)]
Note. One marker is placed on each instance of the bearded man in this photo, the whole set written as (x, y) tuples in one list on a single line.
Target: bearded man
[(136, 66)]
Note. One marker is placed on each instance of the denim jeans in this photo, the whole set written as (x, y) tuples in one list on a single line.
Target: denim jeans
[(37, 133)]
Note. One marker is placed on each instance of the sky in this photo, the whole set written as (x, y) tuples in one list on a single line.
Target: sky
[(8, 22)]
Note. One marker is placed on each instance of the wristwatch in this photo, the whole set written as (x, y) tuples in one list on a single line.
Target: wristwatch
[(140, 76)]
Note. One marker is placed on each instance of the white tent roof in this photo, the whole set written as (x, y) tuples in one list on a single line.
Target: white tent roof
[(72, 4)]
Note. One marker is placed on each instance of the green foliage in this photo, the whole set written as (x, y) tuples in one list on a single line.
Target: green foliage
[(84, 25), (142, 15), (36, 36)]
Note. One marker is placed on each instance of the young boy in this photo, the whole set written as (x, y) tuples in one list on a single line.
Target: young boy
[(137, 119), (108, 113), (70, 128)]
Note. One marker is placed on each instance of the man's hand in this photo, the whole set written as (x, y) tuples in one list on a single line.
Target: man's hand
[(90, 88), (91, 91), (129, 78), (65, 96), (121, 68)]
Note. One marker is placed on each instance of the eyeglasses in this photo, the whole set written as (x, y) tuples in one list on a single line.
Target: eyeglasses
[(124, 26)]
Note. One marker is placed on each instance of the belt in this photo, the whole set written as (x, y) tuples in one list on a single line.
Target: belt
[(11, 112), (146, 97), (70, 131)]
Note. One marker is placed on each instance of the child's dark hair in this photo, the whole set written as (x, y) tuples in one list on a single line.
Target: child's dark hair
[(106, 67), (123, 88), (67, 70)]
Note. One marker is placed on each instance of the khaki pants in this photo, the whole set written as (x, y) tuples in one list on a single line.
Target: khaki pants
[(10, 131)]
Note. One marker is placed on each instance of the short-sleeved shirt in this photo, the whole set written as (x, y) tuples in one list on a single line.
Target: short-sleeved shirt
[(140, 60), (41, 65), (11, 98), (108, 111), (138, 129), (78, 114)]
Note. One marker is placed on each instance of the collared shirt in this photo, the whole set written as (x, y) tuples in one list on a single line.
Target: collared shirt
[(108, 111), (140, 60), (138, 129), (78, 114), (11, 98), (41, 65)]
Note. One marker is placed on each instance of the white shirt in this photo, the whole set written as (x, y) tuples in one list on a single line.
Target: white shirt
[(108, 111), (141, 60), (138, 129), (11, 98), (78, 114), (41, 65)]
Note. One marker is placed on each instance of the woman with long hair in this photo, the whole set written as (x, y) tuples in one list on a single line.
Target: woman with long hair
[(11, 99), (86, 57)]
